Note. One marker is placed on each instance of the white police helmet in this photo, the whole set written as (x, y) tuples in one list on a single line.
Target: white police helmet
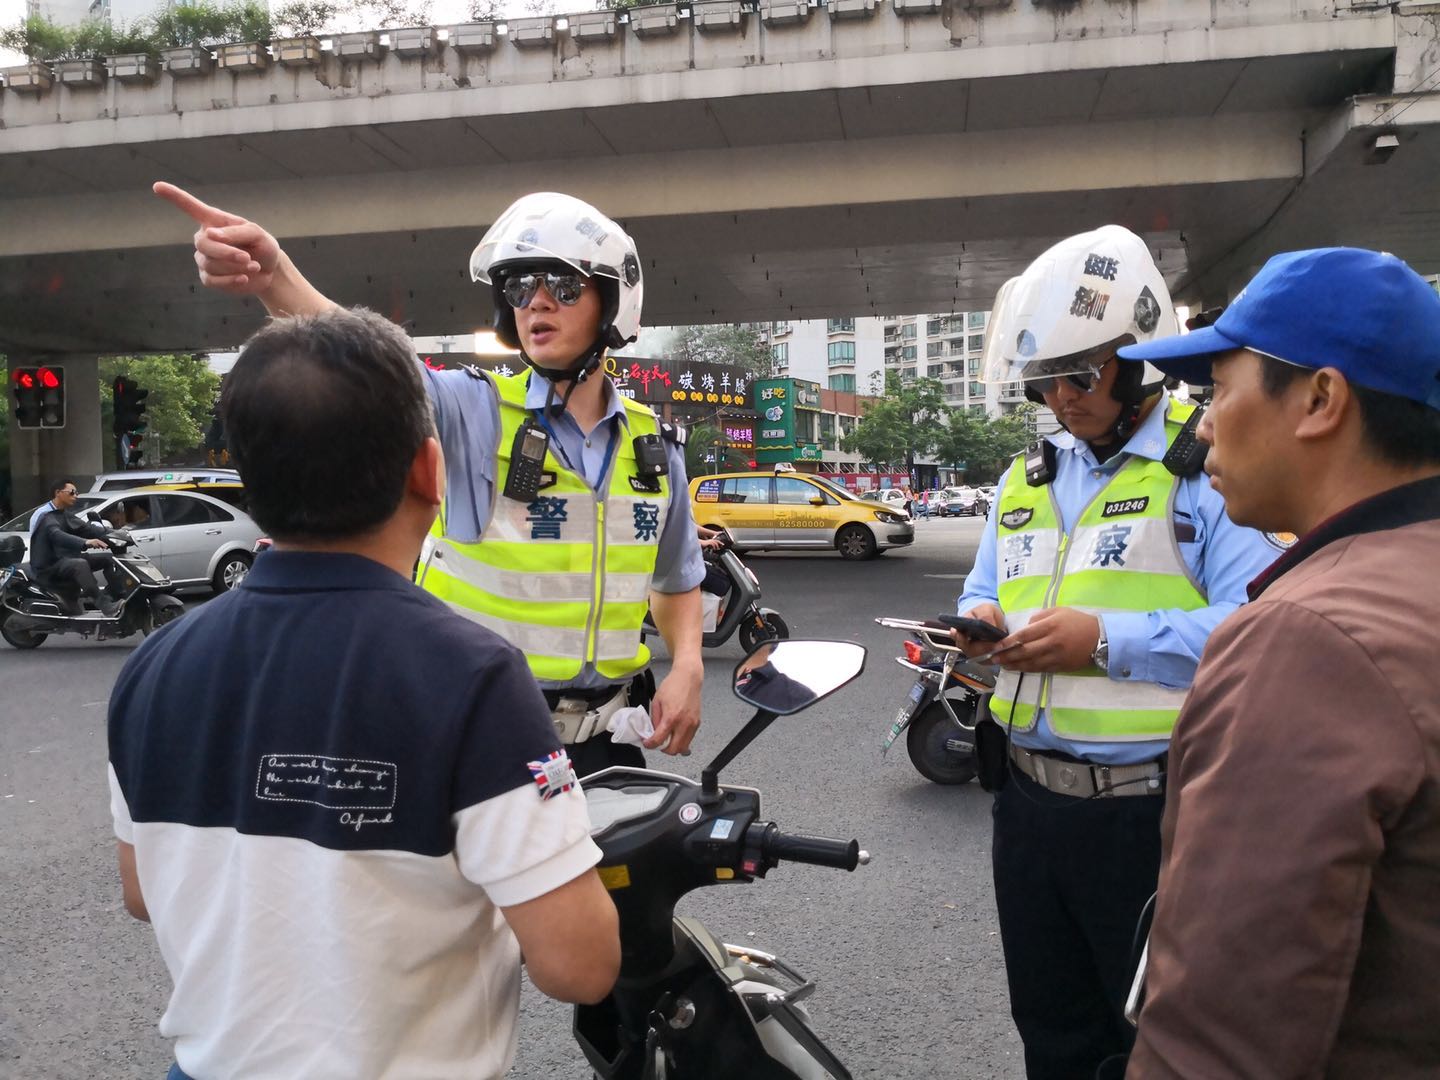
[(1085, 294), (548, 227)]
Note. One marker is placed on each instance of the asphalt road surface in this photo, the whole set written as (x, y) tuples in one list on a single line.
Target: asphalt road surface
[(905, 951)]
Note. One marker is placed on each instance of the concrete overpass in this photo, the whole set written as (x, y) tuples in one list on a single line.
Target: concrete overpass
[(780, 161), (773, 159)]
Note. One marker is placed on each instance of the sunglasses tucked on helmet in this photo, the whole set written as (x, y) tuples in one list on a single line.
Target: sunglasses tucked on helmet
[(547, 238), (1065, 314)]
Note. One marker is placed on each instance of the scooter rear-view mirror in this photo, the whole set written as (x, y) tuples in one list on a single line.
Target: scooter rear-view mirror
[(780, 678), (784, 677)]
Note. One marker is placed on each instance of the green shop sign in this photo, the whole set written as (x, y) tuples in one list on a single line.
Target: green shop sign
[(775, 428)]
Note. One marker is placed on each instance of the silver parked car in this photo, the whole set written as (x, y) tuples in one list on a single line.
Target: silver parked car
[(193, 538), (959, 501)]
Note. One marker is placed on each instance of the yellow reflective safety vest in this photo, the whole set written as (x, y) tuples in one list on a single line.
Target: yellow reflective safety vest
[(566, 576), (1122, 555)]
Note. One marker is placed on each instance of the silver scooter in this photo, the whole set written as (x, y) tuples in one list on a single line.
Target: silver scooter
[(740, 611)]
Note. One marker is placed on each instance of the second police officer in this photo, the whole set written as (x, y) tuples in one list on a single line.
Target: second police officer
[(566, 512), (1107, 559)]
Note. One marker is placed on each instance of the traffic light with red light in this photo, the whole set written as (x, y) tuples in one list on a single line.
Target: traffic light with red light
[(39, 396), (129, 424), (129, 406)]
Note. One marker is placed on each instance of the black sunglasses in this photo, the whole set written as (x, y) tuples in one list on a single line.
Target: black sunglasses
[(520, 289), (1084, 381)]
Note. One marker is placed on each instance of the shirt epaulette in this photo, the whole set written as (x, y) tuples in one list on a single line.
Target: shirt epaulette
[(673, 433)]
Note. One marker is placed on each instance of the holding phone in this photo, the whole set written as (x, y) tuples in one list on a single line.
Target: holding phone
[(977, 629)]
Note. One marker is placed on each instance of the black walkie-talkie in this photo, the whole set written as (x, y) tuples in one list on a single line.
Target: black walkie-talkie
[(1186, 455), (527, 462)]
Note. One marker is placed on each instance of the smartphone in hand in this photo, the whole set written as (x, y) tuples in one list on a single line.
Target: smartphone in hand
[(975, 629)]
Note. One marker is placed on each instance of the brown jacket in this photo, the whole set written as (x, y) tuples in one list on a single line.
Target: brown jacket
[(1297, 931)]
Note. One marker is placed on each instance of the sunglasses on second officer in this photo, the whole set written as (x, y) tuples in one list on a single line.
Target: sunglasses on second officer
[(564, 288), (1085, 381)]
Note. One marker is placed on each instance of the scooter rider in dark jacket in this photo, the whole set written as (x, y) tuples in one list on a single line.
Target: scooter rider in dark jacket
[(65, 551)]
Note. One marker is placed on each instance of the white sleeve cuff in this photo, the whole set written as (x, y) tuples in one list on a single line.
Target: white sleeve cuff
[(119, 809), (518, 846)]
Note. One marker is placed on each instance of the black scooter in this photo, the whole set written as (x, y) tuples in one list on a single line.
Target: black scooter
[(939, 713), (740, 610), (686, 1005), (30, 612)]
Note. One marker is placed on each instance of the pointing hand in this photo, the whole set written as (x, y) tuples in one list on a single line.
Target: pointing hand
[(232, 254)]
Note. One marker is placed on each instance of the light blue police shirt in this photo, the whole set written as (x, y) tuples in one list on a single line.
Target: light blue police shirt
[(38, 514), (1156, 646), (467, 415)]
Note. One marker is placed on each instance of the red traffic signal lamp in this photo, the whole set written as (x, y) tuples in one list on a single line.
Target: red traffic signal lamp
[(39, 396), (129, 406)]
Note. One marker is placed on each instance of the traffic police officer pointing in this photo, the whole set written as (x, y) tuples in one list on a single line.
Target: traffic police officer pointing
[(1107, 559), (566, 513)]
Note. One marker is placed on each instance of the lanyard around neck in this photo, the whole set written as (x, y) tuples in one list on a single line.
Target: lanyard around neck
[(614, 438)]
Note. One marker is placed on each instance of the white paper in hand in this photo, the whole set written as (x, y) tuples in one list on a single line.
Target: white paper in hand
[(631, 726)]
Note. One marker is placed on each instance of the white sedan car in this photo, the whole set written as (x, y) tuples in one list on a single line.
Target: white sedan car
[(894, 498), (194, 539)]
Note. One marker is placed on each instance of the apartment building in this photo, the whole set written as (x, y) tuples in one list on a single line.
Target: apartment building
[(845, 355)]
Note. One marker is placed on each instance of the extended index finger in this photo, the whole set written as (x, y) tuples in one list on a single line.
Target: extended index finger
[(202, 212)]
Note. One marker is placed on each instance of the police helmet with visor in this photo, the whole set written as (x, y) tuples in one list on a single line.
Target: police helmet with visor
[(561, 242), (1065, 316)]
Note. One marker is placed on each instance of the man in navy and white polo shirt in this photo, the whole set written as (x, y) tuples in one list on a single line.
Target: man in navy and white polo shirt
[(343, 807)]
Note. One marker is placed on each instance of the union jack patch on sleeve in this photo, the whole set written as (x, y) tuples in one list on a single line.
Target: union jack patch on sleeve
[(553, 774)]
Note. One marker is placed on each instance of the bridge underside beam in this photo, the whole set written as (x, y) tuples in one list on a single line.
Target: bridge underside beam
[(855, 227)]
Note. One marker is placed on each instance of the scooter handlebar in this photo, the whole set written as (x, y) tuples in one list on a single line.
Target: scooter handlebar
[(815, 850)]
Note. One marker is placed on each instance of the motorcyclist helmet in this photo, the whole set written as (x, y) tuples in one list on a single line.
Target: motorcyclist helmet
[(548, 233), (1072, 307)]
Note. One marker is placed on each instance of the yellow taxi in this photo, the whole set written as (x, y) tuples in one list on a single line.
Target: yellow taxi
[(786, 510)]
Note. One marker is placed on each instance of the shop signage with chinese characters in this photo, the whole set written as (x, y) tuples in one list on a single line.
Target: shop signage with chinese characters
[(740, 435), (774, 430), (653, 381), (657, 382)]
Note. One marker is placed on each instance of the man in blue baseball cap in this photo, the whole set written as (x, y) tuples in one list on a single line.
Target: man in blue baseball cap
[(1295, 930)]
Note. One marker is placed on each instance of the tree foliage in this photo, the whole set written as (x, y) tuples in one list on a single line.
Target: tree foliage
[(182, 392), (302, 18), (208, 22), (741, 345), (984, 446), (203, 22), (37, 38), (904, 424)]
